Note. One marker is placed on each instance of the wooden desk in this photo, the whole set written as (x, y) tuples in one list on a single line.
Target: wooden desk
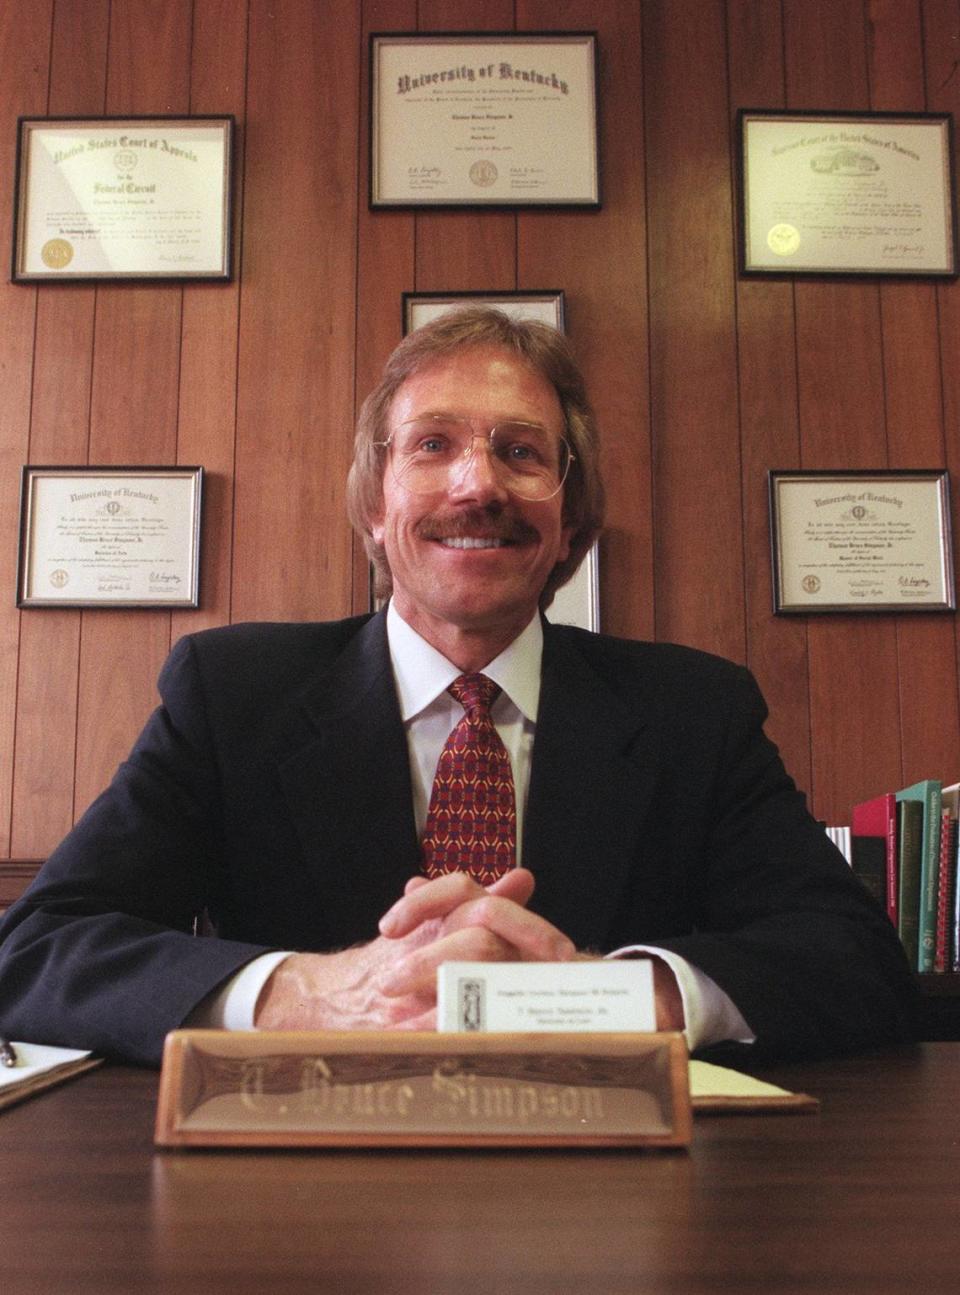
[(863, 1198)]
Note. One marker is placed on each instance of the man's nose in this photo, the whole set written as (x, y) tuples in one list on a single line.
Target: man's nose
[(478, 472)]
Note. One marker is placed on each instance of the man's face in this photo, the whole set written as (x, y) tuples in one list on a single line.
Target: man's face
[(442, 585)]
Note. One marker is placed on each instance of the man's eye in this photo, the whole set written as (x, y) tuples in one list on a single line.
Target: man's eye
[(430, 445), (520, 452)]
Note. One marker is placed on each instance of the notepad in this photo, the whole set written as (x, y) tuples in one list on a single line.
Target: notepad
[(40, 1066), (715, 1089)]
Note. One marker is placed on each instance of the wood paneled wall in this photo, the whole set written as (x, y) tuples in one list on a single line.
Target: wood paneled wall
[(702, 380)]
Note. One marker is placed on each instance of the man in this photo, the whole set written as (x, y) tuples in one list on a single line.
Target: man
[(286, 784)]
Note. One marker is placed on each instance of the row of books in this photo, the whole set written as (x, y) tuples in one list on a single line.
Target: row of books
[(903, 846)]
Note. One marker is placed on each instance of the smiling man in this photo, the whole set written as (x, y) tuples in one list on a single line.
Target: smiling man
[(468, 548), (352, 804)]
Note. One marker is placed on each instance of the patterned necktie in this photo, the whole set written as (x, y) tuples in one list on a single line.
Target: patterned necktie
[(472, 820)]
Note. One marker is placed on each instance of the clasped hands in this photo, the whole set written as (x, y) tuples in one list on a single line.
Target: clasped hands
[(390, 983)]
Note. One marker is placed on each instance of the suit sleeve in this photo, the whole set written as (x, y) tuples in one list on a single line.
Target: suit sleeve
[(100, 952), (781, 923)]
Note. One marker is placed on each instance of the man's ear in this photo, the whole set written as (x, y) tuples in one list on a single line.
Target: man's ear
[(566, 535), (376, 530)]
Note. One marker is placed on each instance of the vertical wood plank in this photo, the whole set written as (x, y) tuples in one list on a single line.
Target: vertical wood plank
[(292, 546), (853, 660), (769, 430), (598, 258), (25, 59), (136, 375), (930, 732), (49, 639), (207, 413), (466, 250), (699, 540), (385, 257), (941, 51)]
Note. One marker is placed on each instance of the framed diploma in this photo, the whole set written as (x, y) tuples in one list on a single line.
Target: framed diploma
[(109, 537), (122, 198), (547, 306), (847, 193), (861, 541), (488, 120)]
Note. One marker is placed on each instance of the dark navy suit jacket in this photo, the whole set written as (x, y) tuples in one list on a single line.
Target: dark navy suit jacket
[(271, 790)]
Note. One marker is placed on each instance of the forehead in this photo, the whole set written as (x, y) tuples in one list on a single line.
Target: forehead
[(483, 382)]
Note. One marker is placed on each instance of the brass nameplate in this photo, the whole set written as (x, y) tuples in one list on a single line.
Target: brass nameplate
[(358, 1088)]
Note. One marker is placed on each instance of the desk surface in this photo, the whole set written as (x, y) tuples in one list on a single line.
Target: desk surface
[(863, 1197)]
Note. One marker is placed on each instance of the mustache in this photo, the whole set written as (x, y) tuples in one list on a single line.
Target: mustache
[(476, 523)]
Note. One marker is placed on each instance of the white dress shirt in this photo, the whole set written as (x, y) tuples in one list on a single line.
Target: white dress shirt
[(429, 713)]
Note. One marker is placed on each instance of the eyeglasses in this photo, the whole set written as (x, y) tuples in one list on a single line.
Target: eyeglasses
[(432, 453)]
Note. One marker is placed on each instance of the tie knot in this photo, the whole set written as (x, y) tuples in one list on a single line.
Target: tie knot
[(474, 692)]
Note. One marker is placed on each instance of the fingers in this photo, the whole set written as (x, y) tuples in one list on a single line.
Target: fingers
[(488, 930), (423, 900), (532, 938), (415, 974), (454, 919), (517, 884)]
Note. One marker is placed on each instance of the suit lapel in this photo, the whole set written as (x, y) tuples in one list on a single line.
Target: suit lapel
[(593, 771), (344, 770)]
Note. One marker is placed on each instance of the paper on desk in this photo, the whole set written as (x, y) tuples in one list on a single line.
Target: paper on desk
[(40, 1066), (716, 1088)]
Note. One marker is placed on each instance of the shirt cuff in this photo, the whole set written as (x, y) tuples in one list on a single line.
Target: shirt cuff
[(231, 1005), (710, 1015)]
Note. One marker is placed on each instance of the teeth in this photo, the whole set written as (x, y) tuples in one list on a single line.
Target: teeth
[(469, 542)]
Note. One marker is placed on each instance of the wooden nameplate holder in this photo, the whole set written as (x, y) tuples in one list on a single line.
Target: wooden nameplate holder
[(391, 1089)]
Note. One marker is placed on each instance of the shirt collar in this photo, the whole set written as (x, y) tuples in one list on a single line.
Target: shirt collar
[(422, 673)]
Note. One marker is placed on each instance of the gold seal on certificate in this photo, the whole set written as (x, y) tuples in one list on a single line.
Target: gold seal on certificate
[(56, 253), (483, 174), (783, 240)]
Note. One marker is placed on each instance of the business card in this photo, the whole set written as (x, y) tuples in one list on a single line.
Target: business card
[(551, 996)]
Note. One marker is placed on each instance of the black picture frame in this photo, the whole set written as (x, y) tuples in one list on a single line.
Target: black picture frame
[(118, 198), (109, 536), (864, 540), (546, 304), (461, 141), (826, 193)]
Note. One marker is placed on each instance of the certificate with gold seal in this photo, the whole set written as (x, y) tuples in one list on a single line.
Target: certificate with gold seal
[(847, 193), (109, 536), (861, 541), (493, 119), (123, 198)]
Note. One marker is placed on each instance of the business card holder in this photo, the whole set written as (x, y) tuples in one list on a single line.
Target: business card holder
[(396, 1089)]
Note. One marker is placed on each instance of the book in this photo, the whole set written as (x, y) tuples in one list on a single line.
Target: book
[(40, 1066), (955, 919), (873, 848), (950, 800), (910, 839), (928, 792), (943, 948)]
